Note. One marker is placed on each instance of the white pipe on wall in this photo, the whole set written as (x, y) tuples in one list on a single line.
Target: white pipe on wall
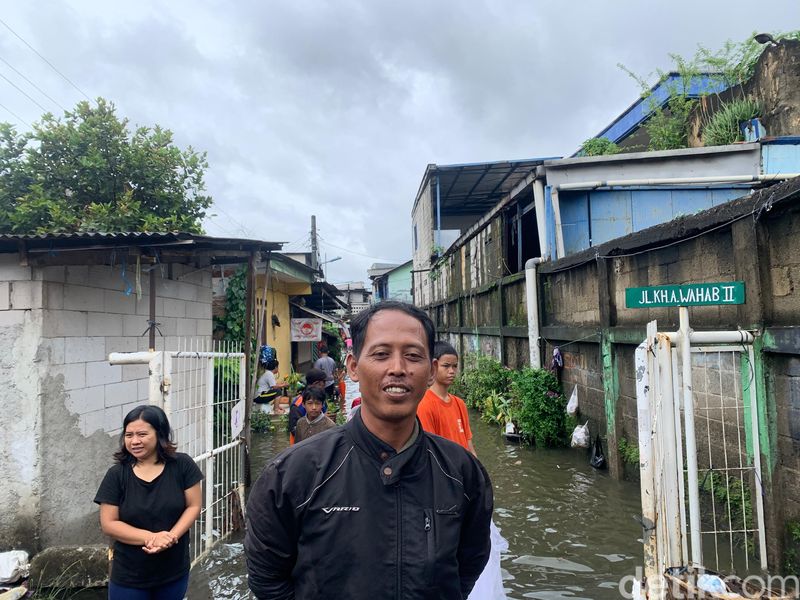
[(532, 302), (589, 185), (684, 337), (557, 215), (541, 217), (648, 493)]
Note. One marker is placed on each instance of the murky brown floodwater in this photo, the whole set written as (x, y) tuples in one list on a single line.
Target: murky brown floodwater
[(570, 528)]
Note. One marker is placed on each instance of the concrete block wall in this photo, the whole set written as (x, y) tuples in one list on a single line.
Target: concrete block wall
[(582, 368), (20, 368), (784, 267), (627, 412), (709, 258), (570, 297), (786, 389), (88, 314), (63, 403)]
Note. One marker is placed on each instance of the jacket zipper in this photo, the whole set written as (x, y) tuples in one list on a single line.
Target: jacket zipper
[(399, 583), (430, 546)]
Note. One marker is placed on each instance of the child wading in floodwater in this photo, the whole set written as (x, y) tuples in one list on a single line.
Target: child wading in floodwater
[(441, 412), (314, 421), (444, 414)]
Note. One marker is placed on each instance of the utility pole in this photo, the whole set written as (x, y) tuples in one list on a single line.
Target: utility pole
[(314, 259)]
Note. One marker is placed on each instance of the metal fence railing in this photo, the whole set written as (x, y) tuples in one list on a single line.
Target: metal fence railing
[(700, 460), (201, 388)]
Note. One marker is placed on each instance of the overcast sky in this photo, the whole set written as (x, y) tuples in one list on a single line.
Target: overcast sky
[(335, 108)]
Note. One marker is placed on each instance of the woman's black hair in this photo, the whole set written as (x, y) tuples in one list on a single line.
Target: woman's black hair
[(314, 393), (272, 364), (154, 416)]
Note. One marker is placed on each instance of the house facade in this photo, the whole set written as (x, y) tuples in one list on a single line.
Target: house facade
[(392, 282), (67, 302)]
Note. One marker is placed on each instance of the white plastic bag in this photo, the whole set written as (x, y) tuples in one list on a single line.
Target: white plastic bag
[(572, 405), (490, 584), (711, 583), (580, 436), (13, 566)]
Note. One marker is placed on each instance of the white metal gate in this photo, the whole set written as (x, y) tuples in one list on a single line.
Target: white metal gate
[(702, 495), (203, 394)]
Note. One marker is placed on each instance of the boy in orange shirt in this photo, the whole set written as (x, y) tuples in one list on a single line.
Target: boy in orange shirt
[(446, 415), (440, 412)]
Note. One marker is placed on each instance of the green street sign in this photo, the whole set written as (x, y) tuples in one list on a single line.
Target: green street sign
[(691, 294)]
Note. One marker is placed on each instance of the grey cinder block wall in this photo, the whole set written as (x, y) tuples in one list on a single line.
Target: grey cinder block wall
[(63, 403)]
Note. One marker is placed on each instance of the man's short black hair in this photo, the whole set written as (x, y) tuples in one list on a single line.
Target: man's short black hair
[(315, 375), (442, 348), (358, 326), (323, 348)]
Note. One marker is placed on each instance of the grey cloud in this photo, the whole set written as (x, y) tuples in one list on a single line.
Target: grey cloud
[(335, 108)]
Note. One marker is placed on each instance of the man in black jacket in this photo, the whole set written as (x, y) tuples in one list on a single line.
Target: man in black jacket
[(377, 509)]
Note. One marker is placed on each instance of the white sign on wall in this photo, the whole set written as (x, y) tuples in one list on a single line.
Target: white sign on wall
[(306, 330), (237, 418)]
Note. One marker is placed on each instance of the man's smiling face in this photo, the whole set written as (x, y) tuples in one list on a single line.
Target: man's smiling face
[(394, 368)]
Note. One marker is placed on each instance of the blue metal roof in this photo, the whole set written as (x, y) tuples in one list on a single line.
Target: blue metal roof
[(639, 111)]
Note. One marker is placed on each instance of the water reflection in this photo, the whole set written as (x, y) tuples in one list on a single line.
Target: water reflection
[(570, 528)]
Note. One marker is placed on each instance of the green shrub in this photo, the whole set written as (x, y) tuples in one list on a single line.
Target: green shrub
[(260, 422), (598, 147), (540, 415), (629, 452), (497, 409), (669, 129), (723, 126), (482, 376), (791, 563), (730, 494)]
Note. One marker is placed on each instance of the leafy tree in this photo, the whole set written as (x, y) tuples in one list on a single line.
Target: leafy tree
[(87, 172)]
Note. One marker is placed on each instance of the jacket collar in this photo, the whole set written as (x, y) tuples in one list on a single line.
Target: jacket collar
[(390, 464)]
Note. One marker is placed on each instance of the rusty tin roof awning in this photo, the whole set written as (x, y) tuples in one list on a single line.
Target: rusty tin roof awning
[(86, 247)]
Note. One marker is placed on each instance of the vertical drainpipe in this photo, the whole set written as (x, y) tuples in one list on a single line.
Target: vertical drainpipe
[(519, 235), (541, 218), (532, 302), (438, 215), (559, 230)]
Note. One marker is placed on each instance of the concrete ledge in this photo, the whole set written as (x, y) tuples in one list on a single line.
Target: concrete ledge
[(68, 567)]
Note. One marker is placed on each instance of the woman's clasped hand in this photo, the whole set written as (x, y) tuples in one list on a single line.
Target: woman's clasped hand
[(160, 541)]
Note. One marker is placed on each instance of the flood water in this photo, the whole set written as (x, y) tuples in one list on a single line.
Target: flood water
[(570, 529)]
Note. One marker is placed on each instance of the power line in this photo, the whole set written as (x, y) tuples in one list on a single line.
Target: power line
[(357, 253), (220, 225), (24, 93), (15, 115), (239, 227), (51, 65), (40, 90)]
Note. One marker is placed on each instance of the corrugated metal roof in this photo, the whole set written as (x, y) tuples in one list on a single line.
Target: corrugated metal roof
[(91, 240), (473, 188)]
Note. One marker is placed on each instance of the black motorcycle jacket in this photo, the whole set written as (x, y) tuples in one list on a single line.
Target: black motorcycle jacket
[(342, 515)]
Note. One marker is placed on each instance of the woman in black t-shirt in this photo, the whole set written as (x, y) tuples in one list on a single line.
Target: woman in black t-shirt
[(148, 501)]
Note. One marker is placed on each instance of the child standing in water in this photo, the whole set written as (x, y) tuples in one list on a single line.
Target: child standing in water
[(441, 412)]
